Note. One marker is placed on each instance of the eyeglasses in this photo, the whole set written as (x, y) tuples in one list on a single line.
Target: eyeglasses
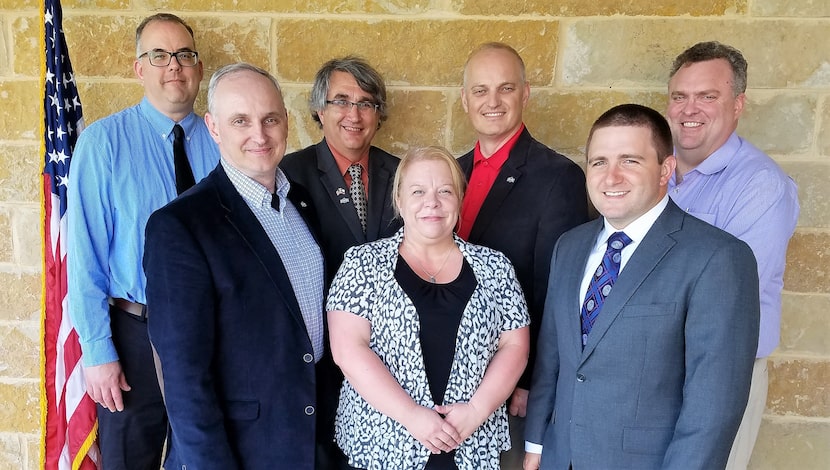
[(362, 106), (159, 58)]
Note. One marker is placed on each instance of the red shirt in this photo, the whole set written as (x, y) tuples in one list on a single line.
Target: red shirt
[(485, 171)]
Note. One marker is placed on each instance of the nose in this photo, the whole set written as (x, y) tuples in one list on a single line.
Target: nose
[(174, 63), (431, 199), (493, 99), (690, 106), (613, 175), (353, 112)]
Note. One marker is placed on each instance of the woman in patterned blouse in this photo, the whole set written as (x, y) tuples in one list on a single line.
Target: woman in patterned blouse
[(430, 332)]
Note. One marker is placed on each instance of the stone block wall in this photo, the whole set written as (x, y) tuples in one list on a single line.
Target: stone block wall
[(582, 57)]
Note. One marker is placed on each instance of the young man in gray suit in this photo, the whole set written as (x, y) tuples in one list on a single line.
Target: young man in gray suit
[(650, 324)]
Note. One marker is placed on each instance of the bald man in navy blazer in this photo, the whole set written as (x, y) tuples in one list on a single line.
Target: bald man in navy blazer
[(235, 295), (661, 379)]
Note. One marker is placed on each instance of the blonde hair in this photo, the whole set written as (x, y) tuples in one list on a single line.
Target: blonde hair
[(434, 153)]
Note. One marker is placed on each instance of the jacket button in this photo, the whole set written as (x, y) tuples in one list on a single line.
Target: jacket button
[(309, 410), (308, 358), (580, 378)]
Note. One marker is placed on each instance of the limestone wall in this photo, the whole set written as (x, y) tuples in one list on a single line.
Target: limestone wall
[(582, 57)]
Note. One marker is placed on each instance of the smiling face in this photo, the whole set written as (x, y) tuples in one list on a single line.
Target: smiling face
[(703, 110), (623, 175), (428, 200), (349, 131), (171, 89), (249, 123), (494, 95)]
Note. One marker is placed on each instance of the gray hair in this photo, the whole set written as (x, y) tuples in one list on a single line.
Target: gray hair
[(169, 17), (233, 69), (367, 78), (712, 50)]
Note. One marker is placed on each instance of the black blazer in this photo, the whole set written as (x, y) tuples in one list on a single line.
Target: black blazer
[(537, 196), (239, 375), (315, 169)]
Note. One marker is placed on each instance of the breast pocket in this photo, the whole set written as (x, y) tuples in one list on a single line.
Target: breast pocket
[(649, 310)]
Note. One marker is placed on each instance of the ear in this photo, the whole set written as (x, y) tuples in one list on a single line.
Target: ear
[(740, 100), (210, 122), (525, 94), (667, 169), (464, 99), (138, 68)]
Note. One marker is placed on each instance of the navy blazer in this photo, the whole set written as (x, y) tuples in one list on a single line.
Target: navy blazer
[(239, 374), (537, 196), (315, 169), (664, 378)]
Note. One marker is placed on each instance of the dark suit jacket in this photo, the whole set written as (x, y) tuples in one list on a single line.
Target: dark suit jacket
[(239, 374), (537, 196), (315, 169), (664, 378)]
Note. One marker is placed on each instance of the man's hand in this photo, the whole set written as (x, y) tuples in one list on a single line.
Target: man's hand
[(518, 403), (104, 384), (531, 461)]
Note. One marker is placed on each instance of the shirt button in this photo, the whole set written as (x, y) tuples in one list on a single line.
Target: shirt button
[(309, 410), (580, 378), (307, 357)]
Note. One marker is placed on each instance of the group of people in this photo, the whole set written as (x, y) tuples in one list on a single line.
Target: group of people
[(340, 308)]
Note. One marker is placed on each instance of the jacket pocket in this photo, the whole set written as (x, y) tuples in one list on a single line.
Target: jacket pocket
[(648, 441), (242, 410)]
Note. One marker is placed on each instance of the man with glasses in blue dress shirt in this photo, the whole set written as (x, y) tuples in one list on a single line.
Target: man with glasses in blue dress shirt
[(122, 170)]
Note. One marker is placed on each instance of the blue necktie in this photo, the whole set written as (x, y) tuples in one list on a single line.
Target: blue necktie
[(601, 282)]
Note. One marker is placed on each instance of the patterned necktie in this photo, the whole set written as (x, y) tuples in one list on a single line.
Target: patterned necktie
[(601, 282), (358, 193), (184, 175)]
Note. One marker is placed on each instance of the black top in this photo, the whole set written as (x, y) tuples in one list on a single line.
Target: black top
[(440, 308)]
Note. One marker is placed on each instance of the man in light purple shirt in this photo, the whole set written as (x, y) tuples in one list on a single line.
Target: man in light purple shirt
[(726, 181)]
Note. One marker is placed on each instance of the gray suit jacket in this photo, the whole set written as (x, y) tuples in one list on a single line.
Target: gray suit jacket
[(664, 378)]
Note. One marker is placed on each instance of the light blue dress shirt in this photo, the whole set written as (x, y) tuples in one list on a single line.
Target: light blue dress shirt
[(121, 171), (743, 191)]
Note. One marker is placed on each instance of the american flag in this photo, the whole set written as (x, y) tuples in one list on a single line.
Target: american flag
[(69, 423)]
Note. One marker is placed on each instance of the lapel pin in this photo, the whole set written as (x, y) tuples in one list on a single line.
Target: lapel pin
[(340, 191), (303, 204), (511, 179), (344, 200)]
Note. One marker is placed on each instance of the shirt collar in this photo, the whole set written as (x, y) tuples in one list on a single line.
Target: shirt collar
[(163, 125), (254, 193), (719, 159), (500, 156), (344, 163), (637, 229)]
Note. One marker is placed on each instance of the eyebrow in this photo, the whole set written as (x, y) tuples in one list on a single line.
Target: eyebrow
[(345, 96)]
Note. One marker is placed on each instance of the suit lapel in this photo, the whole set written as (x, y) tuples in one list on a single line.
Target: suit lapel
[(337, 190), (379, 195), (573, 283), (508, 178), (650, 251), (240, 217)]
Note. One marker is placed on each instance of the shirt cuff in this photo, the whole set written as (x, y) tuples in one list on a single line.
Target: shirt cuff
[(533, 448), (98, 352)]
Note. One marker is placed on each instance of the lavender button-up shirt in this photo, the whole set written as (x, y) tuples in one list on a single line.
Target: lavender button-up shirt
[(744, 192)]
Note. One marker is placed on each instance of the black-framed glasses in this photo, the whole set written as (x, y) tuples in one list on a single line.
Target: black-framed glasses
[(159, 58), (346, 105)]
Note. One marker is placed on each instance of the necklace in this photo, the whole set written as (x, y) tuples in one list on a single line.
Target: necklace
[(431, 275)]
